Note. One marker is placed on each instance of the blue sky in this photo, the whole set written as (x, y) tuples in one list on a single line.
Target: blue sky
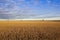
[(29, 9)]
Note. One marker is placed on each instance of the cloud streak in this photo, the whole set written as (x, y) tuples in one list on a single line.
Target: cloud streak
[(23, 9)]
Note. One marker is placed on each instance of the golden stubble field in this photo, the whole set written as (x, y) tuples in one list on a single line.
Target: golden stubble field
[(29, 30)]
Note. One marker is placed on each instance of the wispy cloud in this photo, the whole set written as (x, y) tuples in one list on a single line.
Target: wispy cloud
[(22, 9)]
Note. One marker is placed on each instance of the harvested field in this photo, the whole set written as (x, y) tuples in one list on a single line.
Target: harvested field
[(29, 30)]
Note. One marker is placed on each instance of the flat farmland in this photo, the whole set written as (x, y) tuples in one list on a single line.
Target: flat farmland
[(29, 30)]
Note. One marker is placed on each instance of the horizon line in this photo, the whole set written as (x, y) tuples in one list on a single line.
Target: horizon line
[(25, 19)]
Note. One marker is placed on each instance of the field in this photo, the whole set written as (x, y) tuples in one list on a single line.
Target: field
[(29, 30)]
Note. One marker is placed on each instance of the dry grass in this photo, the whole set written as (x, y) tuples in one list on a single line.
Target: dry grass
[(29, 30)]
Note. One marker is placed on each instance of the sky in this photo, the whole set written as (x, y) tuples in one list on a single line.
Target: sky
[(30, 9)]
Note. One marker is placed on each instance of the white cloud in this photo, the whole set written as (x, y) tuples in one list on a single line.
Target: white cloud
[(12, 11)]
